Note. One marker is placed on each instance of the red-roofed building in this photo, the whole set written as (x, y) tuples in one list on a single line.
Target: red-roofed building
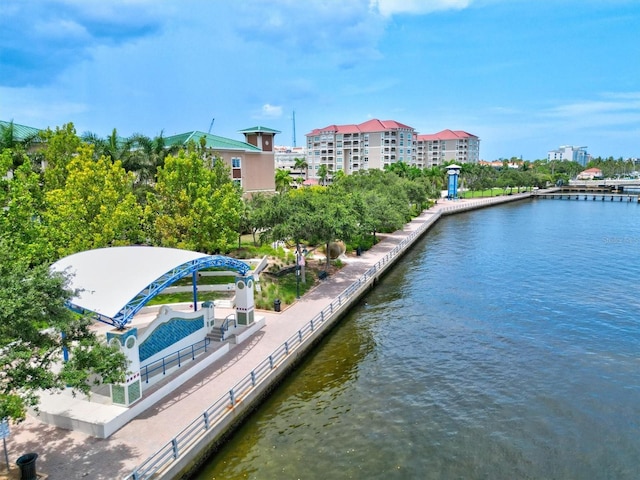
[(445, 146), (369, 145), (377, 143)]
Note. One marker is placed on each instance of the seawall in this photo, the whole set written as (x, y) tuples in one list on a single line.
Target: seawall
[(184, 454)]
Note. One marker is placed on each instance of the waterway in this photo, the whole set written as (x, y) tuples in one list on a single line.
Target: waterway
[(505, 345)]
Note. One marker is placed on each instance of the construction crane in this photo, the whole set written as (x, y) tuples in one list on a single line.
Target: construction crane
[(211, 125)]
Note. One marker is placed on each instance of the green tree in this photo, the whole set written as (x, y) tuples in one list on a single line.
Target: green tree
[(302, 165), (11, 141), (35, 327), (21, 205), (61, 146), (195, 205), (95, 208), (283, 180), (323, 173), (330, 217)]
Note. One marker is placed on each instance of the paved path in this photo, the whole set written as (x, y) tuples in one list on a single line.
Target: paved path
[(66, 455)]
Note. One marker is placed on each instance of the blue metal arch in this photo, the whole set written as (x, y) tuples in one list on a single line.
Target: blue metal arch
[(126, 313)]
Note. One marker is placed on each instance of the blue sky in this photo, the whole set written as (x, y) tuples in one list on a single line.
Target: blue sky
[(525, 76)]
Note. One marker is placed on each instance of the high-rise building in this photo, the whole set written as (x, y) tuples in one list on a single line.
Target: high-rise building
[(446, 146), (570, 153), (375, 144), (369, 145)]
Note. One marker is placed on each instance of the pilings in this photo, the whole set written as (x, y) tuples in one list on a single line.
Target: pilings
[(609, 197)]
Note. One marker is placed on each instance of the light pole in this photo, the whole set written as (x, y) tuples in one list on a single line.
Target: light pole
[(298, 271)]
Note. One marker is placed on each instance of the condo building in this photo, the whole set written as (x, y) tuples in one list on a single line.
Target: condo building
[(433, 150), (375, 144), (570, 153), (368, 145)]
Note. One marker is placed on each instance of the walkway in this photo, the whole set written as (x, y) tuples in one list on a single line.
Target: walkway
[(67, 455)]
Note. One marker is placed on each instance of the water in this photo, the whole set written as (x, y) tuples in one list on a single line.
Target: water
[(506, 345)]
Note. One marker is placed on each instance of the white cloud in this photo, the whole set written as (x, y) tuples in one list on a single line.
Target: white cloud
[(615, 112), (271, 111), (388, 8)]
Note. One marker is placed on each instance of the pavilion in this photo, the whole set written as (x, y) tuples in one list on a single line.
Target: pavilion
[(113, 285)]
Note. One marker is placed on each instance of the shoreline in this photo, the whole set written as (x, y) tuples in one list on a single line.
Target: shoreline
[(150, 439)]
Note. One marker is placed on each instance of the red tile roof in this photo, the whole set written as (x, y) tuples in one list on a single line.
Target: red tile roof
[(373, 125), (446, 135)]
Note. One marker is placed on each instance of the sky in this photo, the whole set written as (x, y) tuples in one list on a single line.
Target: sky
[(525, 76)]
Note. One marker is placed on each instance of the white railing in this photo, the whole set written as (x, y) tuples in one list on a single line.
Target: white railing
[(219, 410)]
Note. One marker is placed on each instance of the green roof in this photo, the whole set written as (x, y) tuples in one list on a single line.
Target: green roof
[(259, 130), (213, 141), (20, 132)]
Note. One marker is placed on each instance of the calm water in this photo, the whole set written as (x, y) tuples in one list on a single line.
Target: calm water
[(505, 346)]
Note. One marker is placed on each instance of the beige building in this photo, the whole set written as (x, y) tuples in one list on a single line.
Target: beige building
[(448, 145), (372, 144), (378, 143), (251, 162)]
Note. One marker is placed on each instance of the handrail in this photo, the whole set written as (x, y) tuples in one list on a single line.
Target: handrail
[(149, 370), (225, 325), (219, 410)]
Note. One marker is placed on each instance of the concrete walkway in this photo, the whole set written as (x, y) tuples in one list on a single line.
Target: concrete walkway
[(66, 455)]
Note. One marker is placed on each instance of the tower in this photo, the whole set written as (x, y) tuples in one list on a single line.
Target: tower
[(261, 137), (453, 171)]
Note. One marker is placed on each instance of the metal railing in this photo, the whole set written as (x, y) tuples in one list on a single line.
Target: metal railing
[(225, 325), (172, 360), (219, 410)]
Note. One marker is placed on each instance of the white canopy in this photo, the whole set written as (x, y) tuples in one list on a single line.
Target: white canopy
[(107, 279)]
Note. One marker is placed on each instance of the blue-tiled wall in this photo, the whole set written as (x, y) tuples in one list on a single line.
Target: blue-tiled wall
[(167, 334)]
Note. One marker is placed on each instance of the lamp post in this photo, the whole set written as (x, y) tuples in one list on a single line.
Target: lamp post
[(298, 271)]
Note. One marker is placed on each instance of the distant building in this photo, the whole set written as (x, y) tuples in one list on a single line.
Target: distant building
[(375, 144), (285, 158), (590, 174), (502, 164), (251, 162), (570, 153), (448, 145), (350, 148), (20, 132)]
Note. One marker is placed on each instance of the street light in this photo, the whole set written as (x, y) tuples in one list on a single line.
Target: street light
[(298, 271)]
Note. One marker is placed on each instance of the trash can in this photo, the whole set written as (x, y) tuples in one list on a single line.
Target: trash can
[(27, 464), (276, 304), (358, 251)]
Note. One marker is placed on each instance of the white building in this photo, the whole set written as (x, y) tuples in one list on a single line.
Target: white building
[(571, 154), (285, 158)]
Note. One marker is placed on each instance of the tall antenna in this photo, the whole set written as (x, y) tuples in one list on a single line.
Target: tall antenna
[(294, 128), (211, 125)]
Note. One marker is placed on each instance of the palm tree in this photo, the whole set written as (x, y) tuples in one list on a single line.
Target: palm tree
[(11, 140), (283, 180), (323, 172), (302, 165), (435, 176)]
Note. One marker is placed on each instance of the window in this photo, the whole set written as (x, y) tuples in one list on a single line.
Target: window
[(235, 162)]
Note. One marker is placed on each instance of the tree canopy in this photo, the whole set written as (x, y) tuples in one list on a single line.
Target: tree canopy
[(35, 328)]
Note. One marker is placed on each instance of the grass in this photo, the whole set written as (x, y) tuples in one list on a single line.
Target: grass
[(491, 192), (183, 297)]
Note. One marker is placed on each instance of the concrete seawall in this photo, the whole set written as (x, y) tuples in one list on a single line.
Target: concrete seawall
[(173, 437), (196, 454)]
